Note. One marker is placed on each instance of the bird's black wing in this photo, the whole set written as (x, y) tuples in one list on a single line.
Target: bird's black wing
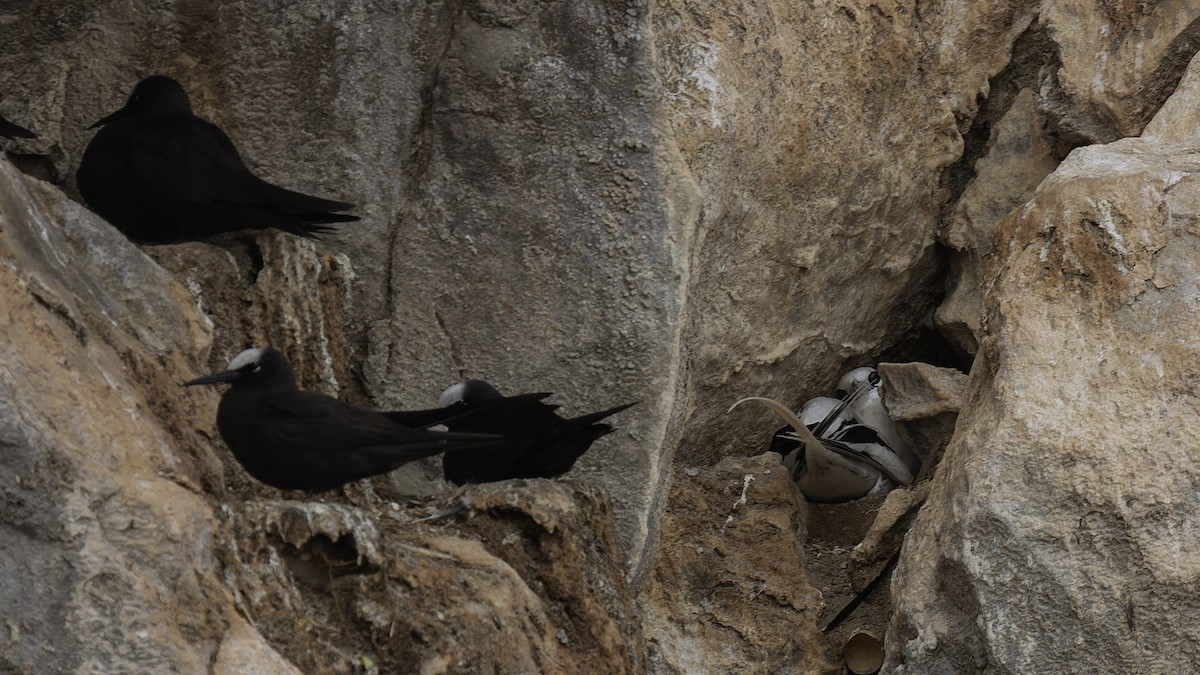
[(420, 419), (306, 417), (859, 433), (10, 130), (193, 160), (538, 443), (855, 454), (189, 159), (597, 416), (493, 416)]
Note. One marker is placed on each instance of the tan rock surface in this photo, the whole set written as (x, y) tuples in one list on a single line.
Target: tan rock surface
[(1060, 531), (1120, 62), (730, 593), (682, 202), (133, 544), (914, 391), (524, 581), (107, 534), (802, 263), (1019, 155)]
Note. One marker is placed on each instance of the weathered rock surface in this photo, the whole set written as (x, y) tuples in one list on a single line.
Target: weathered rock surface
[(129, 546), (683, 202), (1119, 63), (106, 551), (1060, 533), (1082, 72), (730, 593), (503, 160), (924, 400), (765, 109), (913, 391), (1019, 155), (524, 581)]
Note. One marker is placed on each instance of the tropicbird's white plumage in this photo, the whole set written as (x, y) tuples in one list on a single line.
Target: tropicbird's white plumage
[(846, 448), (850, 456), (868, 409), (853, 462)]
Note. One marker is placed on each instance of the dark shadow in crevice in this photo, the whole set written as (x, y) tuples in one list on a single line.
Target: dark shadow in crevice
[(320, 560), (1034, 54), (1166, 76), (923, 342), (926, 345), (40, 167), (254, 252)]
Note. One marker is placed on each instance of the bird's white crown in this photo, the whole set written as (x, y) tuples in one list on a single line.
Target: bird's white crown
[(250, 356)]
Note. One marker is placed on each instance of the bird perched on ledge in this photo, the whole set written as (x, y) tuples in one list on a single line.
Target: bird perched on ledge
[(162, 175), (304, 440), (10, 130), (538, 443)]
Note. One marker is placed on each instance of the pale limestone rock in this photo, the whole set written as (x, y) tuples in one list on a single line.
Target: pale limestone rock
[(730, 593), (1061, 530), (802, 261), (925, 400), (245, 652), (1118, 63), (887, 532), (1018, 157), (917, 390)]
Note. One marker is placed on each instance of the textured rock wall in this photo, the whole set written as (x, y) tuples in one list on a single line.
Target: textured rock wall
[(766, 110), (737, 533), (682, 202), (107, 537), (503, 160), (131, 546), (1060, 532)]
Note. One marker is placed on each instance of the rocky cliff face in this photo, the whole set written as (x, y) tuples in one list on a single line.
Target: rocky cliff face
[(678, 202)]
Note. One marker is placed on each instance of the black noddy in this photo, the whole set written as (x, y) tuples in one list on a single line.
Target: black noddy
[(10, 130), (162, 175), (304, 440), (538, 443)]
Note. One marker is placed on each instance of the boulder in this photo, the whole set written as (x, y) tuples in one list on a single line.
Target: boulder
[(1060, 530)]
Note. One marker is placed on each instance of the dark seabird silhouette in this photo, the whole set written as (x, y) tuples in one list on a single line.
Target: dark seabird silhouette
[(538, 443), (304, 440), (162, 175), (10, 130)]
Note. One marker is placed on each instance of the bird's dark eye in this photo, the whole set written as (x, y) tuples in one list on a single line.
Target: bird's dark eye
[(874, 379)]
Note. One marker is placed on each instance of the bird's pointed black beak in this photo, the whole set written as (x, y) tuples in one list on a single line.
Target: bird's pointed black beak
[(215, 378), (123, 112)]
